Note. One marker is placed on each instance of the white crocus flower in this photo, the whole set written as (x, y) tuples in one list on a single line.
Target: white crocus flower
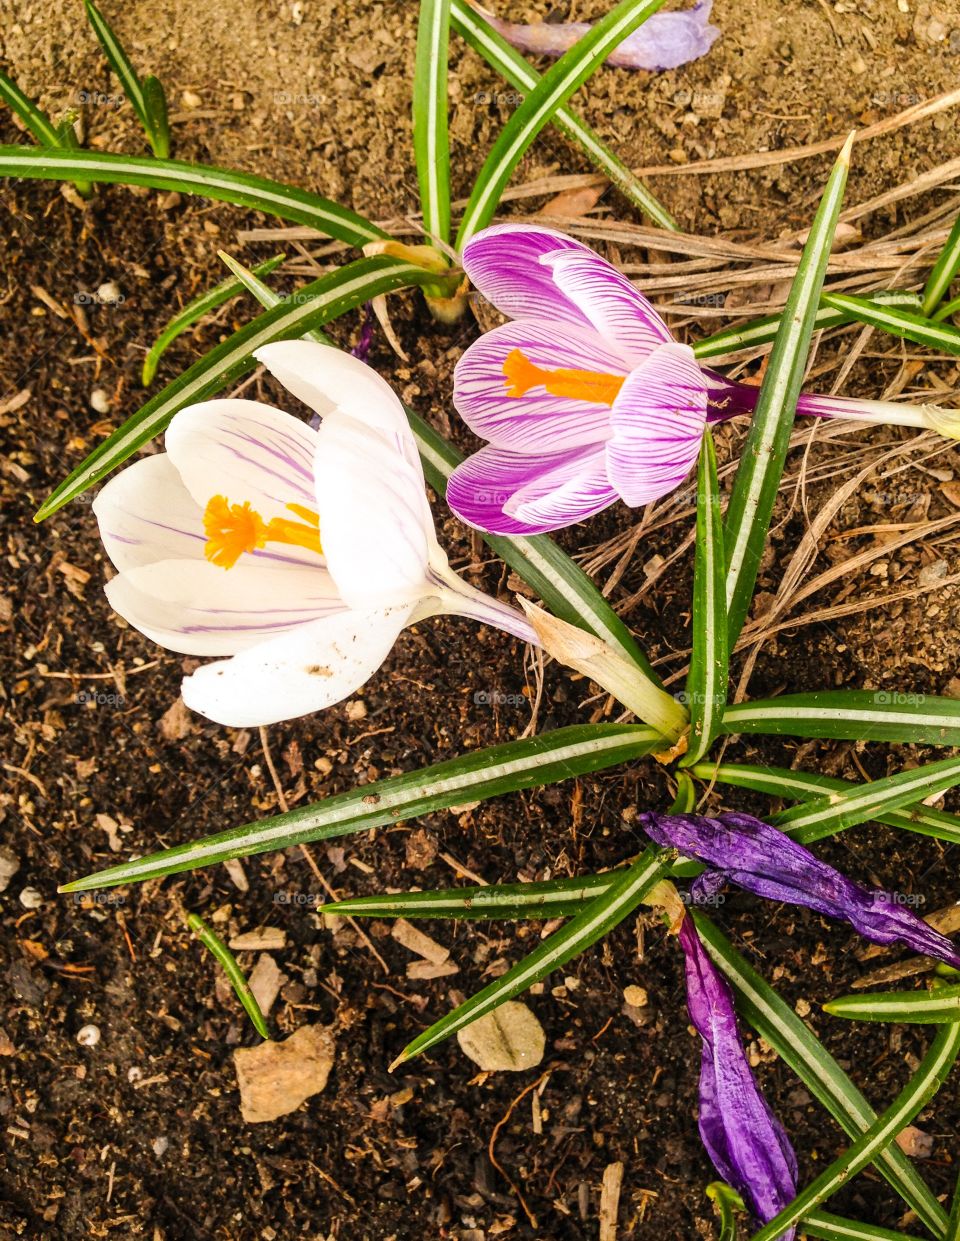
[(300, 554)]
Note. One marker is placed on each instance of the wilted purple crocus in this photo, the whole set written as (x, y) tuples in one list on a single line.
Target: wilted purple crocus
[(746, 1142), (664, 41), (740, 849), (585, 397)]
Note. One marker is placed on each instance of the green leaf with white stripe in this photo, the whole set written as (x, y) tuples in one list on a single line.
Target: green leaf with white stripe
[(592, 923), (251, 281), (850, 715), (540, 105), (763, 331), (922, 1086), (939, 1006), (40, 125), (834, 812), (431, 145), (707, 680), (827, 1227), (561, 583), (193, 312), (805, 786), (764, 453), (803, 1052), (898, 322), (530, 763), (944, 271), (550, 898), (223, 184), (322, 300), (150, 106), (508, 62)]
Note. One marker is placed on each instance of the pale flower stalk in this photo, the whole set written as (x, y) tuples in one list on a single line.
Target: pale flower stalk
[(295, 554)]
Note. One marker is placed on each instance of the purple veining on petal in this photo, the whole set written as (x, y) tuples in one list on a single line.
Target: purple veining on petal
[(512, 493), (763, 860), (745, 1140), (361, 349), (664, 41)]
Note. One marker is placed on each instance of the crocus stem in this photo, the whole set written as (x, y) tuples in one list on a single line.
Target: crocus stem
[(728, 398), (458, 598)]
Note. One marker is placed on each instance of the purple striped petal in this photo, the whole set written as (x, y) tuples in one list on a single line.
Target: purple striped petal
[(537, 420), (146, 514), (744, 1139), (503, 264), (657, 421), (505, 492), (761, 859), (618, 311)]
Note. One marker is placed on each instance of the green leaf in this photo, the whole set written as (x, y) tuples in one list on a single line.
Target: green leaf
[(686, 798), (803, 1052), (834, 812), (805, 786), (133, 88), (850, 715), (523, 77), (194, 311), (540, 105), (530, 763), (224, 184), (898, 322), (707, 680), (944, 271), (921, 1088), (234, 973), (936, 1007), (947, 310), (550, 898), (155, 101), (835, 1228), (728, 1203), (764, 453), (762, 331), (318, 302), (598, 919), (431, 145), (953, 1227), (40, 125)]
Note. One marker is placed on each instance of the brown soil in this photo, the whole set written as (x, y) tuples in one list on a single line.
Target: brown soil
[(141, 1135)]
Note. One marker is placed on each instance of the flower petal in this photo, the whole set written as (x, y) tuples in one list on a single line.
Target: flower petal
[(515, 493), (246, 451), (537, 419), (146, 514), (301, 672), (618, 311), (503, 263), (375, 522), (745, 1140), (195, 607), (657, 419)]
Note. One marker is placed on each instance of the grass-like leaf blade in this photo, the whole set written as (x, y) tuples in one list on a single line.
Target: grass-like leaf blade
[(920, 1089), (234, 973), (40, 125), (508, 62), (850, 715), (224, 184), (898, 322), (431, 145), (764, 453), (133, 88), (944, 271), (939, 1006), (707, 681), (550, 898), (799, 1048), (540, 105), (194, 311), (602, 914), (828, 1227), (529, 763)]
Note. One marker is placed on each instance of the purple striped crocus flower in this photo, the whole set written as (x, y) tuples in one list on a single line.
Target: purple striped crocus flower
[(740, 849), (585, 398), (298, 553), (744, 1139)]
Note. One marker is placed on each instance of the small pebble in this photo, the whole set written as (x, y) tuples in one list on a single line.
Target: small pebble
[(109, 293), (30, 898), (9, 865), (190, 99), (100, 401), (636, 997), (160, 1146), (88, 1036)]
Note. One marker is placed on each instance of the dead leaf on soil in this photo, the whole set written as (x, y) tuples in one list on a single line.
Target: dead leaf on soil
[(510, 1039)]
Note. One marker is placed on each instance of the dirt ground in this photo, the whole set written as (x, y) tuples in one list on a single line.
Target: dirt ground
[(140, 1135)]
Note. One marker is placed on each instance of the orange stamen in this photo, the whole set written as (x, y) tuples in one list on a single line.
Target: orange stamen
[(233, 529), (522, 375)]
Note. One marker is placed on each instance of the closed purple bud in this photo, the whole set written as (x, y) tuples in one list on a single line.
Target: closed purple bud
[(757, 857), (745, 1141)]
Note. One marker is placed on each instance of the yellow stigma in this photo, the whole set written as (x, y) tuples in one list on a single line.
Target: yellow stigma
[(522, 375), (233, 529)]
